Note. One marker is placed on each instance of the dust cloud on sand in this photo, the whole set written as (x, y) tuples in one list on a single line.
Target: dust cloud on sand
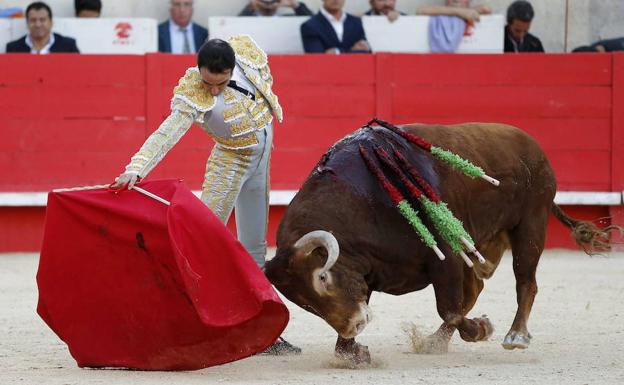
[(577, 325)]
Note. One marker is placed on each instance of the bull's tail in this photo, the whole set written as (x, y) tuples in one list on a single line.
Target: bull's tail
[(588, 236)]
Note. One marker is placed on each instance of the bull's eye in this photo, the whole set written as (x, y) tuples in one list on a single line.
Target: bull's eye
[(323, 277)]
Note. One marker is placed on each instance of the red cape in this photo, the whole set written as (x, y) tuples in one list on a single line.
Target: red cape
[(127, 281)]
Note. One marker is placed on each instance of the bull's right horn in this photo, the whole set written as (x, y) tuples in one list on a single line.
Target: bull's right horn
[(318, 238)]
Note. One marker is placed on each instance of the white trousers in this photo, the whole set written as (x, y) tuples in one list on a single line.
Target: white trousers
[(240, 179)]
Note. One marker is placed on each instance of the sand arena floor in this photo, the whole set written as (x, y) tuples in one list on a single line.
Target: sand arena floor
[(577, 325)]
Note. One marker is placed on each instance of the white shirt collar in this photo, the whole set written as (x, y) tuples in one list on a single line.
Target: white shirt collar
[(337, 24), (331, 17), (172, 24), (241, 80), (177, 37), (45, 50)]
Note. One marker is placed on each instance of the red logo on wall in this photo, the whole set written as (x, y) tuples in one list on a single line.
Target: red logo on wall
[(123, 31)]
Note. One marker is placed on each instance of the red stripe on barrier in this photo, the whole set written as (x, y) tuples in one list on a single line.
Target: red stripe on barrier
[(72, 120)]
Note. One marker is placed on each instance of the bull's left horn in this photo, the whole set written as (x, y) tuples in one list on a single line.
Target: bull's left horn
[(320, 238)]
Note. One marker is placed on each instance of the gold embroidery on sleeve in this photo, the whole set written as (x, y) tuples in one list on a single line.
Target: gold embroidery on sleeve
[(160, 142)]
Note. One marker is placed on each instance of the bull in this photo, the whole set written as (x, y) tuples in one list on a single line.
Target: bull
[(341, 238)]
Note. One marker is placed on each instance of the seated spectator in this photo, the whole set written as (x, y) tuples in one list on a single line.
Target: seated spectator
[(40, 39), (458, 8), (270, 7), (179, 34), (384, 7), (607, 45), (517, 37), (88, 8), (450, 23), (333, 31)]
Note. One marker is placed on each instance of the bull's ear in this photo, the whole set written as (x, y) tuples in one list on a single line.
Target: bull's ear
[(313, 256)]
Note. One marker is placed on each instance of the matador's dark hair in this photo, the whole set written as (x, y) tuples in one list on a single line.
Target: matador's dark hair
[(216, 55)]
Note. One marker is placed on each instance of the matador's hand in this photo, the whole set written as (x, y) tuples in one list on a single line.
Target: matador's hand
[(126, 179)]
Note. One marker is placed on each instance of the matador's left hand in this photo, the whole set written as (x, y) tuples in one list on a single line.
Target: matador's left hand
[(126, 179)]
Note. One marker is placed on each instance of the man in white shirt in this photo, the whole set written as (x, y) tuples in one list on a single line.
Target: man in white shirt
[(180, 34), (40, 39), (334, 31)]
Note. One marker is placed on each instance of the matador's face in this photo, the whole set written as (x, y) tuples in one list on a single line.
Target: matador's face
[(213, 82)]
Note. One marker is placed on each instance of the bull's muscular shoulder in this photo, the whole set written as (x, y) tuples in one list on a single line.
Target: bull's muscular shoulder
[(499, 149), (477, 131), (476, 137)]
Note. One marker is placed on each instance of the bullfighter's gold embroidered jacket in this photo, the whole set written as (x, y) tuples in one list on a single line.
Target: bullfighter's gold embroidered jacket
[(230, 118)]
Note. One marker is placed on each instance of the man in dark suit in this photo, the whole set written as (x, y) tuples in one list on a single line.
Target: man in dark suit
[(40, 39), (517, 37), (607, 45), (333, 31), (179, 34)]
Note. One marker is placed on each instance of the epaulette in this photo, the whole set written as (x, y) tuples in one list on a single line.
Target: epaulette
[(248, 52), (191, 90)]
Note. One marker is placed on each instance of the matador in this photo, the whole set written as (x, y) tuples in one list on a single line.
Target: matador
[(229, 96)]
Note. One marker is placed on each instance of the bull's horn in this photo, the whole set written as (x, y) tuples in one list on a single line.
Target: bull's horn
[(318, 238)]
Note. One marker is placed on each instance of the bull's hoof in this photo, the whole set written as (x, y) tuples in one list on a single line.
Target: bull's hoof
[(354, 353), (487, 329), (515, 340)]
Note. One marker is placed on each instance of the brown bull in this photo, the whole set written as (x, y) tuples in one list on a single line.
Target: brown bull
[(341, 238)]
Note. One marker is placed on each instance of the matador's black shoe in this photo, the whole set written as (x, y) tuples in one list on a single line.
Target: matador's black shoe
[(281, 347)]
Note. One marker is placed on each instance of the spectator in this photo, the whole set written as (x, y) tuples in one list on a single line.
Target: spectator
[(517, 37), (179, 34), (608, 45), (270, 7), (40, 39), (333, 31), (88, 8), (458, 8), (384, 7), (449, 23)]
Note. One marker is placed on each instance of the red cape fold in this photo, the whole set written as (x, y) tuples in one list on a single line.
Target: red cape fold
[(127, 281)]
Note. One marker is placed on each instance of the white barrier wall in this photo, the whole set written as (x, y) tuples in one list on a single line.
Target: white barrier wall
[(410, 34), (95, 36), (278, 35), (407, 34)]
